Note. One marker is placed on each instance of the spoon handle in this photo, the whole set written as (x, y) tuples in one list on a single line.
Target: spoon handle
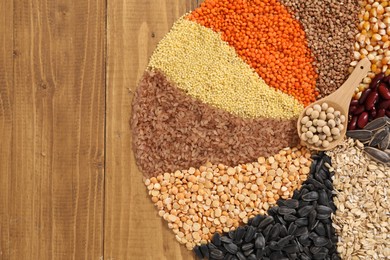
[(343, 95)]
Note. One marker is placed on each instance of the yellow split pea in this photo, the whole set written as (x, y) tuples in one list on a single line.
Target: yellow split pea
[(225, 196)]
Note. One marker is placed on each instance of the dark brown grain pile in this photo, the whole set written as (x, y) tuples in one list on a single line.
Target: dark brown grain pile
[(173, 131), (330, 26)]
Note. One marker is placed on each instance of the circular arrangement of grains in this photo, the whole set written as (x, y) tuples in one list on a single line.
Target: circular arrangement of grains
[(214, 124)]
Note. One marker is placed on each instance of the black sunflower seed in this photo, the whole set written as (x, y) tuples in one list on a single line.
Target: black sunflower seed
[(205, 251), (301, 231), (240, 255), (323, 198), (256, 220), (239, 234), (320, 241), (290, 249), (216, 239), (273, 245), (247, 246), (319, 256), (283, 231), (250, 233), (248, 252), (305, 257), (265, 222), (198, 253), (284, 241), (328, 184), (274, 233), (292, 229), (313, 236), (216, 254), (304, 240), (232, 234), (284, 210), (279, 219), (267, 230), (226, 240), (315, 249), (212, 246), (273, 211), (320, 229), (278, 255), (312, 219), (305, 210), (260, 241), (231, 248), (310, 196), (302, 222), (251, 257), (321, 209), (296, 194), (290, 218), (292, 203), (259, 253), (323, 216)]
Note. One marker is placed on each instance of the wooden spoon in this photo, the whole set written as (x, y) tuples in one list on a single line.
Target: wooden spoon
[(340, 100)]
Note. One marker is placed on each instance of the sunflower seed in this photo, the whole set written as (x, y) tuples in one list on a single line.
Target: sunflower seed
[(284, 241), (274, 233), (240, 256), (226, 240), (260, 241), (324, 210), (291, 203), (320, 241), (248, 252), (252, 257), (198, 253), (290, 218), (304, 211), (377, 155), (320, 229), (239, 234), (302, 222), (378, 137), (292, 229), (361, 135), (216, 254), (310, 196), (315, 249), (231, 248), (376, 124), (290, 249), (265, 222), (205, 251), (256, 220), (216, 239), (323, 198), (250, 233), (284, 210), (301, 231), (385, 142)]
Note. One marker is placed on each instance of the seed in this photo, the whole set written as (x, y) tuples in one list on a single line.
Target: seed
[(268, 220), (378, 137), (216, 254), (205, 251), (231, 248), (377, 154), (250, 233), (284, 210), (361, 135), (310, 196)]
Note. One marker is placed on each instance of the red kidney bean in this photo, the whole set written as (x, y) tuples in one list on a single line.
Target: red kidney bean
[(371, 100), (352, 123), (373, 112), (383, 91), (359, 110), (354, 102), (384, 104), (388, 112), (375, 81), (381, 113), (386, 80), (364, 95), (362, 120), (352, 109)]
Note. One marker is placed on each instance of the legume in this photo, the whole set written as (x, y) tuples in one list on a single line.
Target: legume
[(267, 37), (215, 198), (362, 219), (207, 68)]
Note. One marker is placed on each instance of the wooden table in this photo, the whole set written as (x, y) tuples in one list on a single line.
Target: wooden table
[(69, 186)]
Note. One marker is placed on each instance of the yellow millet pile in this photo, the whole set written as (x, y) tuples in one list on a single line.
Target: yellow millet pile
[(207, 68), (215, 198)]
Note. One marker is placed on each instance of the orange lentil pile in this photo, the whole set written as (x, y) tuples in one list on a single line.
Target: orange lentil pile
[(268, 38)]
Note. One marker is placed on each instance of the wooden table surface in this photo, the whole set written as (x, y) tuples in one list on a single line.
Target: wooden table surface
[(69, 186)]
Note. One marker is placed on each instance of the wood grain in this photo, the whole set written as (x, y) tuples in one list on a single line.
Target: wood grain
[(132, 228), (52, 129)]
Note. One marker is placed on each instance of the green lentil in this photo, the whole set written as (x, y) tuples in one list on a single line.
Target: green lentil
[(207, 68)]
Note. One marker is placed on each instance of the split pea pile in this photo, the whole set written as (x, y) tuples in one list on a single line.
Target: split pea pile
[(362, 219), (207, 68), (373, 40), (216, 198)]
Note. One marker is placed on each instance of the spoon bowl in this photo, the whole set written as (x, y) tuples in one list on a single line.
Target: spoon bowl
[(339, 100)]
